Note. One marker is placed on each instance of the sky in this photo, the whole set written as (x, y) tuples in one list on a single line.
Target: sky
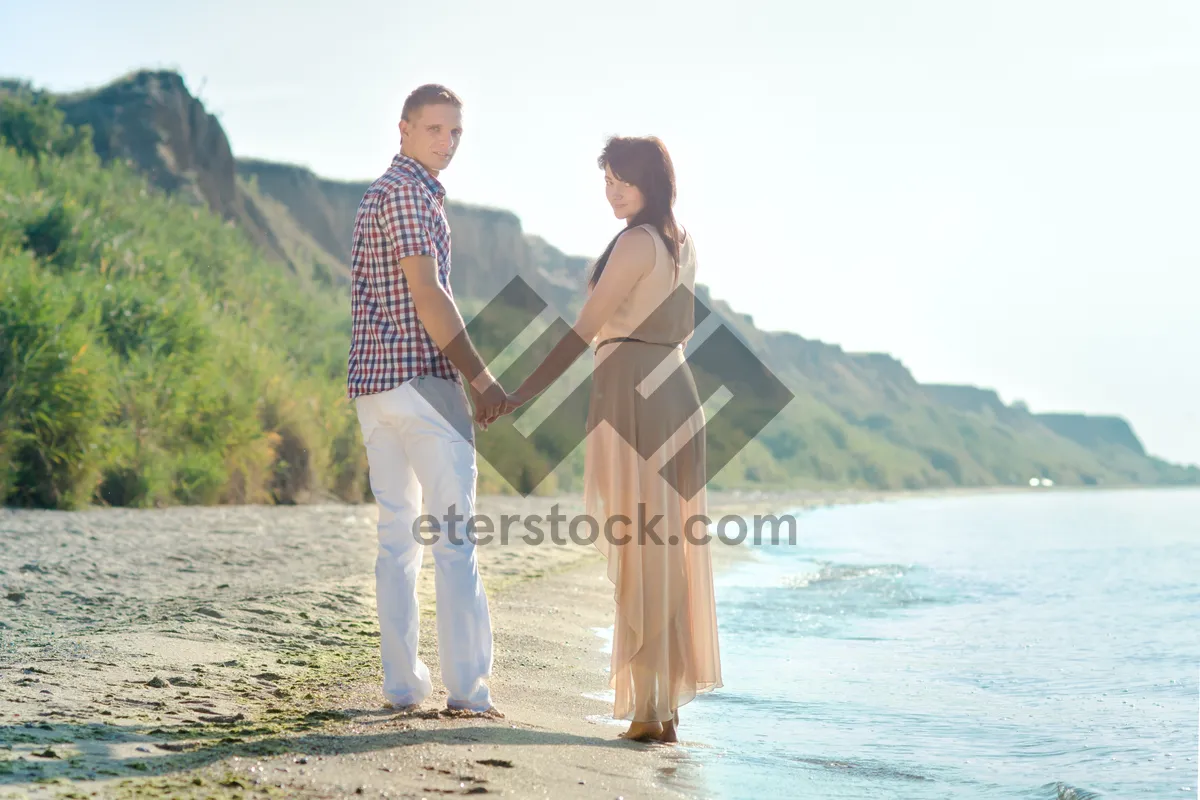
[(1001, 194)]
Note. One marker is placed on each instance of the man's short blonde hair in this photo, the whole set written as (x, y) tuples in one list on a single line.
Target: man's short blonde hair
[(428, 95)]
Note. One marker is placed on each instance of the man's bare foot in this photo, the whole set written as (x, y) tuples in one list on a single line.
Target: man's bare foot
[(491, 712), (403, 708), (644, 732)]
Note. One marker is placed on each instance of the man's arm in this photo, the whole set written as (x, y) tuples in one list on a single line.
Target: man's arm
[(441, 318), (405, 216), (445, 325)]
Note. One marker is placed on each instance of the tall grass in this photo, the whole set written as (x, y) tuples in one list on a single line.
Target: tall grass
[(148, 354)]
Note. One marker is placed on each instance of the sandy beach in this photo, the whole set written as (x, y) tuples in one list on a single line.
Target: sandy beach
[(233, 652)]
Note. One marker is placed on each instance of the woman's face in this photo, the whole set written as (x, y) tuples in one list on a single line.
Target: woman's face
[(625, 198)]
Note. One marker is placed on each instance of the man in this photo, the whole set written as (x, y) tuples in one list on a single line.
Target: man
[(408, 349)]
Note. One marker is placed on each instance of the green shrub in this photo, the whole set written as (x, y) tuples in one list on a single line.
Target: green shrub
[(32, 124), (55, 391)]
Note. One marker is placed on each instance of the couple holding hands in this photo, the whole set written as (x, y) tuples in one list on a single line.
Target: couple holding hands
[(409, 358)]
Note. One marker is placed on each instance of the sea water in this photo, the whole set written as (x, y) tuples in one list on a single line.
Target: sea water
[(1020, 645)]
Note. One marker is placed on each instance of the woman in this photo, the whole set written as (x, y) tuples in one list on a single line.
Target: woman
[(645, 445)]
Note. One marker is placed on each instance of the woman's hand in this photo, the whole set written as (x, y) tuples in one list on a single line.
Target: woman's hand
[(515, 400)]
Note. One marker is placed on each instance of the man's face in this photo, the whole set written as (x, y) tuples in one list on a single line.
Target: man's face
[(432, 136)]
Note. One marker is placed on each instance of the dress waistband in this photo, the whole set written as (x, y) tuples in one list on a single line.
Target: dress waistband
[(631, 339)]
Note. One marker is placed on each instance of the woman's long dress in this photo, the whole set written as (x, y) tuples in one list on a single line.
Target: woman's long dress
[(645, 459)]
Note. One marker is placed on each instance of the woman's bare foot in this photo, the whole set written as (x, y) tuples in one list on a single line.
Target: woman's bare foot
[(644, 732), (670, 733)]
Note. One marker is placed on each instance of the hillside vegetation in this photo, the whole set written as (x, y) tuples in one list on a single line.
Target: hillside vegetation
[(149, 354)]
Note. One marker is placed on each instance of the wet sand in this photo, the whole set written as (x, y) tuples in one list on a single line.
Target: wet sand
[(233, 651)]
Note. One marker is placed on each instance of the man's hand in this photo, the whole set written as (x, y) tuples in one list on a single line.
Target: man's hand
[(489, 401)]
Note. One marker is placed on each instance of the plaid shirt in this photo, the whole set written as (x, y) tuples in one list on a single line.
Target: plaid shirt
[(400, 215)]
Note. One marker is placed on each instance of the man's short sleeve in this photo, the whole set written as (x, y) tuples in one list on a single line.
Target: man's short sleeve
[(406, 216)]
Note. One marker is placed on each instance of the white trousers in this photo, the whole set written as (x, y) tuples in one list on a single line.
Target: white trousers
[(420, 446)]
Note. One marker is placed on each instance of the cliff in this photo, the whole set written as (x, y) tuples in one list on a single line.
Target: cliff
[(858, 418), (1094, 432), (152, 121)]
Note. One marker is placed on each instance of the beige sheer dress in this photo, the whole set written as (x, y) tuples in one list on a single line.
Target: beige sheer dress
[(645, 459)]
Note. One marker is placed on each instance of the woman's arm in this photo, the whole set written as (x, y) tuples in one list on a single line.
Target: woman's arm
[(631, 258)]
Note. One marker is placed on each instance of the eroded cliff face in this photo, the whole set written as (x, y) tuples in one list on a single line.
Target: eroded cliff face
[(150, 119)]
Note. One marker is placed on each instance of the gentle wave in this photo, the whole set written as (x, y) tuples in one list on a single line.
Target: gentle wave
[(830, 572), (1064, 791), (865, 769)]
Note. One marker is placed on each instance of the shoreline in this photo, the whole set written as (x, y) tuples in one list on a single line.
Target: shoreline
[(221, 651)]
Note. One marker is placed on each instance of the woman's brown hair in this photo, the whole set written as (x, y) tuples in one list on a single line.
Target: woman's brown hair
[(644, 162)]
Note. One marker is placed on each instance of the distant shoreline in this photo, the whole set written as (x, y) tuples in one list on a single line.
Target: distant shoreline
[(764, 501)]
